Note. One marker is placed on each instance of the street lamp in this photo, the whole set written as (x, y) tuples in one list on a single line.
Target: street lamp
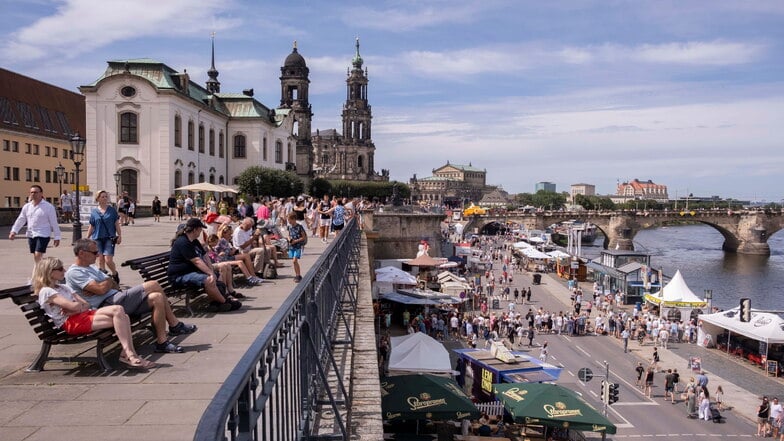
[(60, 171), (77, 147), (257, 178), (117, 177)]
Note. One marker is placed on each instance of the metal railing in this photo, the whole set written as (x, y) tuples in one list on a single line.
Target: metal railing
[(291, 383)]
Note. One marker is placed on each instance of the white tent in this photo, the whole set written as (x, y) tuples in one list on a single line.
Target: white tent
[(558, 254), (763, 326), (533, 253), (418, 352), (446, 276), (522, 245), (676, 294), (389, 276)]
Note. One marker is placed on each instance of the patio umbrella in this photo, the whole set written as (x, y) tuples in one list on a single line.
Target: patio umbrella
[(423, 396), (550, 405), (206, 186), (423, 260)]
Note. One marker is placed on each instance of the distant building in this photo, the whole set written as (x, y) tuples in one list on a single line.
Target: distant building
[(637, 189), (495, 198), (451, 185), (546, 186), (37, 121), (350, 155), (583, 189)]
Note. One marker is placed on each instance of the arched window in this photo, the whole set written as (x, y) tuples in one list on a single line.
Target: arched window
[(220, 144), (278, 152), (264, 150), (361, 162), (290, 154), (201, 138), (191, 178), (201, 177), (220, 180), (128, 182), (324, 159), (212, 142), (177, 131), (239, 146), (212, 178), (129, 128), (177, 178), (190, 135)]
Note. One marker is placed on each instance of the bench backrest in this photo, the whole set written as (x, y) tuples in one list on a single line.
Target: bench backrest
[(153, 267), (35, 315)]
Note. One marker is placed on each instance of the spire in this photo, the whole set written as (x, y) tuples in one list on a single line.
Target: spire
[(357, 60), (213, 85)]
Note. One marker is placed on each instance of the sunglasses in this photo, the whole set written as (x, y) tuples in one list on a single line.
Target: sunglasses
[(59, 268), (94, 253)]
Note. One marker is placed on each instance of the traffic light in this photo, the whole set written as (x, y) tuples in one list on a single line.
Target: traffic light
[(745, 309), (605, 392), (612, 393)]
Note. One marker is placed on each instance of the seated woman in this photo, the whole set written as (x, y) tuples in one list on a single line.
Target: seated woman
[(225, 254), (73, 314), (222, 269)]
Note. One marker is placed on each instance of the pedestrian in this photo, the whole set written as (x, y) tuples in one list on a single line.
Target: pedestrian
[(530, 336), (649, 382), (702, 379), (676, 378), (41, 219), (720, 398), (640, 371), (516, 295), (528, 295), (625, 337), (656, 359), (66, 206), (131, 212), (156, 209), (669, 387), (105, 230), (171, 204), (763, 413), (704, 412), (543, 352), (776, 417), (297, 238)]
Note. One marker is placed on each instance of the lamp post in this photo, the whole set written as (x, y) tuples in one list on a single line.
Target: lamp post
[(117, 177), (60, 171), (77, 146), (709, 299), (257, 178)]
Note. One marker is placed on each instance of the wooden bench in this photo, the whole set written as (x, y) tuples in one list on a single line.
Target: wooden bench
[(154, 268), (49, 335)]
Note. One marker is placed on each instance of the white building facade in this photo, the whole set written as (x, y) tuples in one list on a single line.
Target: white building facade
[(160, 131)]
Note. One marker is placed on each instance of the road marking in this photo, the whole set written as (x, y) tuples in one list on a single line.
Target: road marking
[(636, 403), (583, 351)]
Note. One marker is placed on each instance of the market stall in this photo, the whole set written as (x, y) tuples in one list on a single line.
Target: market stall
[(676, 301)]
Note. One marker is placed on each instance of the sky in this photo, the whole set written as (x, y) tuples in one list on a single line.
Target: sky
[(689, 94)]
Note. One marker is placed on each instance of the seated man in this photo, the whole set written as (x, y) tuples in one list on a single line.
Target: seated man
[(190, 265), (246, 240), (101, 290)]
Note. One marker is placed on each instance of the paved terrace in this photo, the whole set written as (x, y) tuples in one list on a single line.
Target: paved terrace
[(73, 401)]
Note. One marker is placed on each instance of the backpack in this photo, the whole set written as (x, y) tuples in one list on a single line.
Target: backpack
[(303, 234), (270, 272)]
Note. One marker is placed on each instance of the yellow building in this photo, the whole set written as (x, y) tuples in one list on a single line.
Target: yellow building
[(37, 121)]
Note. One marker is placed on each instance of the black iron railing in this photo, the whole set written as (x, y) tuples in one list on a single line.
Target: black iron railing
[(292, 383)]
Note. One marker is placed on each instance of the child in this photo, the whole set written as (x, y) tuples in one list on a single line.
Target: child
[(297, 238), (720, 398)]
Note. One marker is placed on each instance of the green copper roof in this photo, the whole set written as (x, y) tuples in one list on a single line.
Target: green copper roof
[(465, 167), (436, 178)]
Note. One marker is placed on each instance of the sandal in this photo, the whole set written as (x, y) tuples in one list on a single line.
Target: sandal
[(237, 295), (136, 362)]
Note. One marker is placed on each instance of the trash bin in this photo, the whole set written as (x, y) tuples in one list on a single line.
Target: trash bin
[(496, 304), (537, 279)]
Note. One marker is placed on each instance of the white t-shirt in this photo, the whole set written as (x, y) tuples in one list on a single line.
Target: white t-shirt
[(52, 310), (776, 410)]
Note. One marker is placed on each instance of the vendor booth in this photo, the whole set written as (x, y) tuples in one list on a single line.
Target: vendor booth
[(676, 301), (760, 340)]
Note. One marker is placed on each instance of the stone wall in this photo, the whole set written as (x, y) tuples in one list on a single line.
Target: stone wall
[(397, 235)]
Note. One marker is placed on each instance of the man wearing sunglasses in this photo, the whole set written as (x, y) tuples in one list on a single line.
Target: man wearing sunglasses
[(100, 289)]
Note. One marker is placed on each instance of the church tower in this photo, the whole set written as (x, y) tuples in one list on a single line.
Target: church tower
[(294, 84), (356, 121), (213, 85)]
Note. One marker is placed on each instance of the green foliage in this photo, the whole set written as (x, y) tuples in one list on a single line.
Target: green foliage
[(272, 182), (369, 189), (594, 202), (319, 187), (549, 200)]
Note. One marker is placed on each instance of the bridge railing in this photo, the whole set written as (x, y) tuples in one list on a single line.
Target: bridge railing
[(285, 384)]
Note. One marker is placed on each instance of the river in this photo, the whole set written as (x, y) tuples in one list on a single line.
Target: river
[(696, 251)]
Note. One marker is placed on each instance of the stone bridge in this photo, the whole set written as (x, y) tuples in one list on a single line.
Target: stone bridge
[(745, 232)]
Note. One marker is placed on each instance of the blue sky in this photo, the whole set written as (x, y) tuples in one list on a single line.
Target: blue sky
[(686, 93)]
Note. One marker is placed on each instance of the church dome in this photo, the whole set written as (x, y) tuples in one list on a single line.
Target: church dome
[(294, 59)]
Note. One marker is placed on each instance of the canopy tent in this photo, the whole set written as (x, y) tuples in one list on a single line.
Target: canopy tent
[(418, 352), (390, 274), (423, 396), (455, 288), (439, 297), (423, 260), (550, 405), (522, 245), (446, 276), (533, 253), (206, 186), (558, 254), (763, 326), (411, 300), (676, 294)]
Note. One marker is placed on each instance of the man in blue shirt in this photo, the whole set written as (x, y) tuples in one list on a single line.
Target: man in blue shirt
[(99, 289)]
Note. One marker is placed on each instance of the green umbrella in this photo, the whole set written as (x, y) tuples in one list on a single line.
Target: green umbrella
[(550, 405), (423, 396)]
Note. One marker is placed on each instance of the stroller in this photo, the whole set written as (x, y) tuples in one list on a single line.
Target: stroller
[(715, 415)]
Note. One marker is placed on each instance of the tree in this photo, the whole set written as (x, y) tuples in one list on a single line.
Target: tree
[(273, 182), (319, 187), (549, 199)]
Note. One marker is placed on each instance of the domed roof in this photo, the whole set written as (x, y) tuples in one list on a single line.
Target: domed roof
[(294, 59)]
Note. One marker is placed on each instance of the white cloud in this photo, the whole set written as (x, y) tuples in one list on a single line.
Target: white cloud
[(409, 17), (80, 26), (712, 53)]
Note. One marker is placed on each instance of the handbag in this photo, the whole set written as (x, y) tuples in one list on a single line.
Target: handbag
[(113, 238), (270, 272)]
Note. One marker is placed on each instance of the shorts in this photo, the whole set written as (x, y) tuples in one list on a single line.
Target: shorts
[(188, 210), (172, 211), (133, 300), (193, 279), (337, 227), (668, 389), (105, 246), (295, 253), (38, 244), (67, 209), (79, 324), (648, 383), (325, 222)]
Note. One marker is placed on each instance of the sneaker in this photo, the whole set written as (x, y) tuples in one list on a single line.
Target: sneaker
[(297, 279), (215, 306), (234, 304), (181, 328), (323, 240), (255, 280), (116, 277), (168, 348)]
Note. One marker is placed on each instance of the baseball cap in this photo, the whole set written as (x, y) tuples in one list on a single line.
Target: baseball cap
[(195, 223)]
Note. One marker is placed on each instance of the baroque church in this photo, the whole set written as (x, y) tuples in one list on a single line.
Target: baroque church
[(350, 155), (158, 130)]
